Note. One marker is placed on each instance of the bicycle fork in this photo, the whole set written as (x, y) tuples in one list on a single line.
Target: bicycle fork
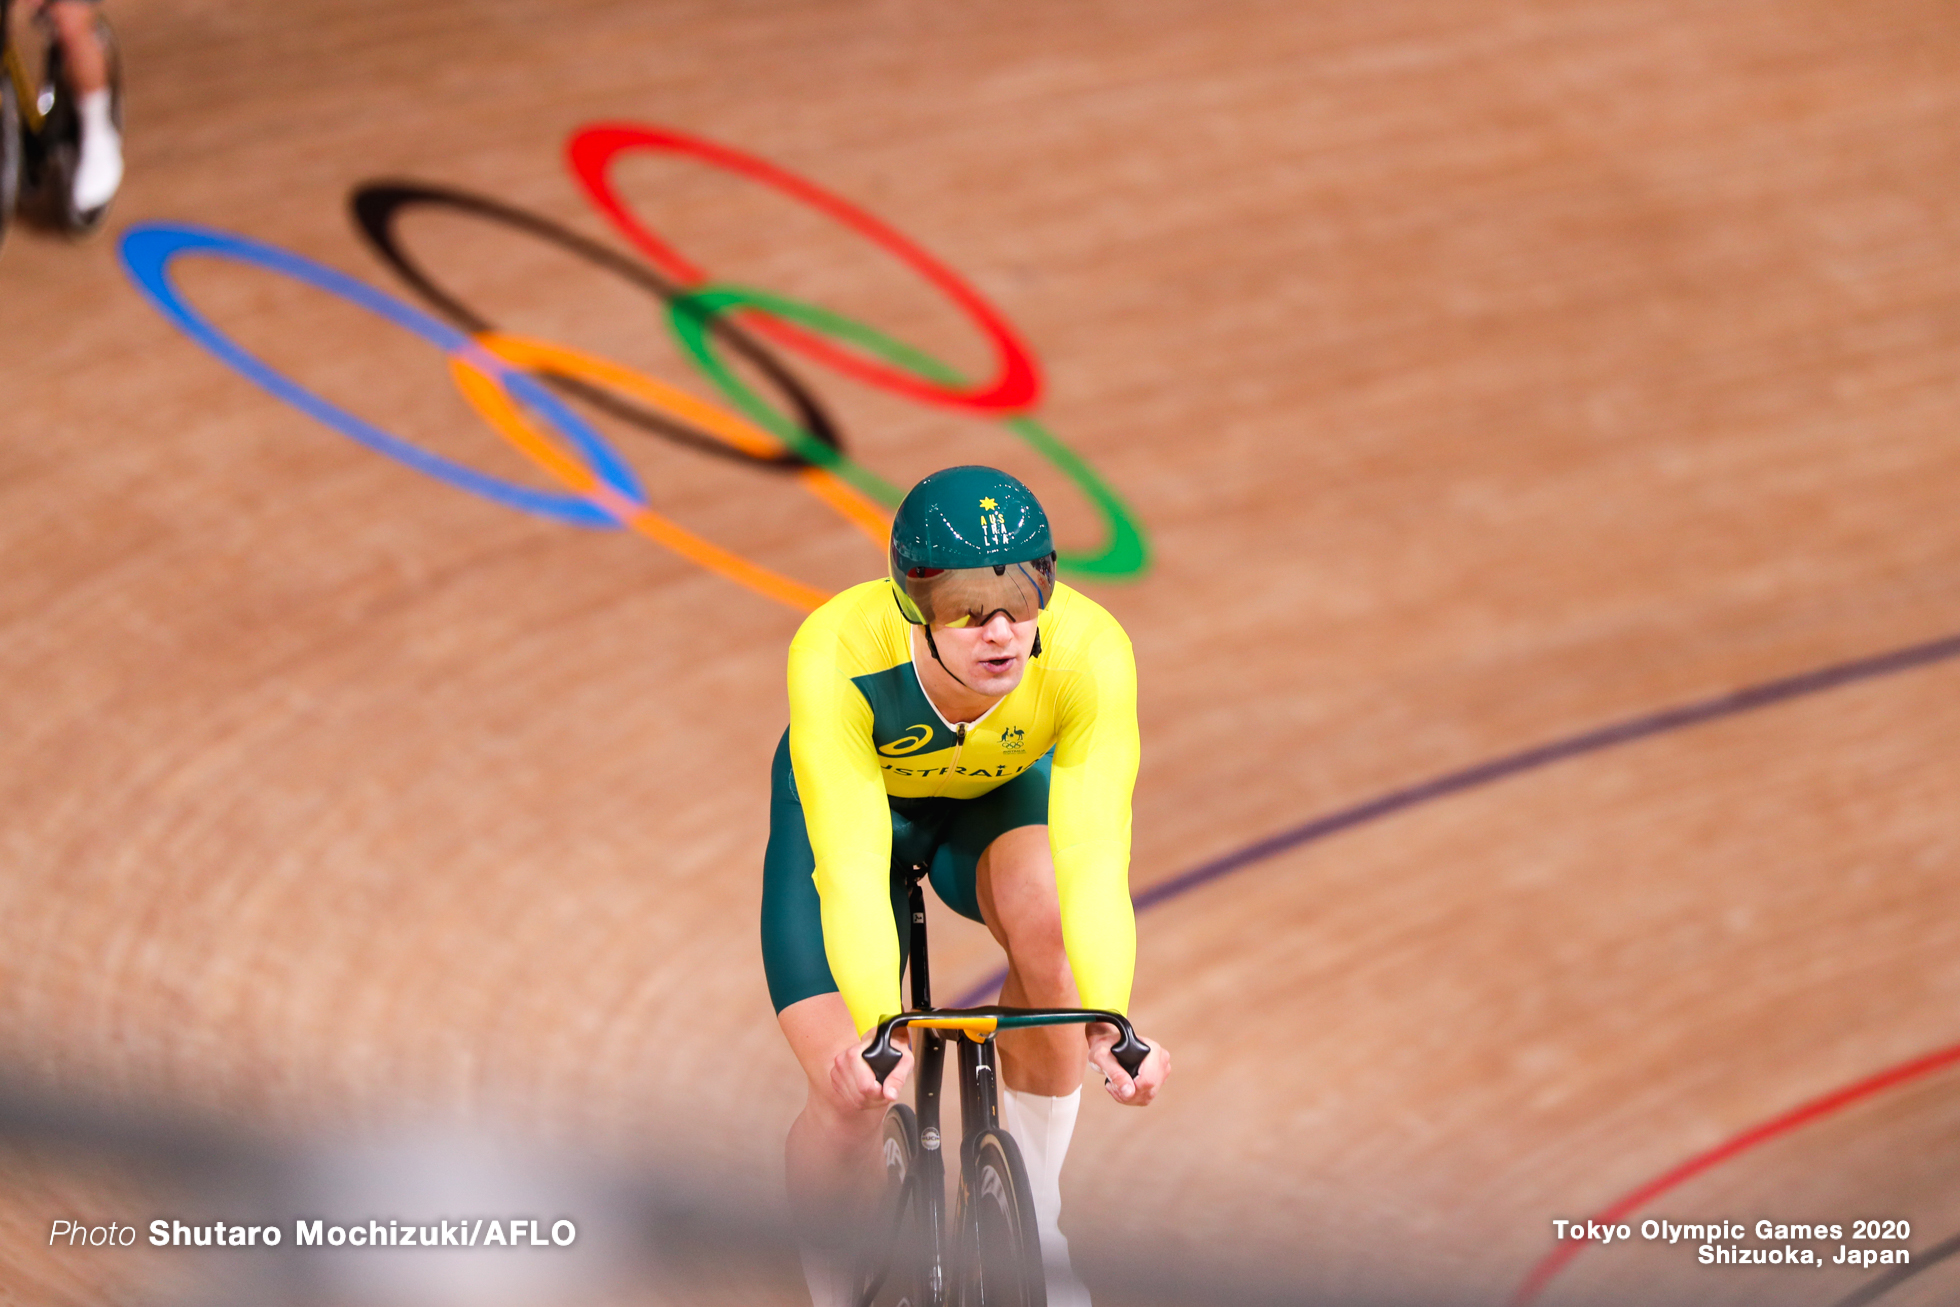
[(930, 1053)]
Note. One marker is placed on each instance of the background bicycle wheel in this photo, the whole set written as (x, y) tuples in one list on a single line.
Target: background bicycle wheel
[(1500, 388), (10, 148)]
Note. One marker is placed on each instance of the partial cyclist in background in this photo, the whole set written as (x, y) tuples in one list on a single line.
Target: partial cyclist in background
[(969, 716), (99, 171)]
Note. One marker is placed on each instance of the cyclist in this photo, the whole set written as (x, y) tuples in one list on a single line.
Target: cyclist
[(99, 165), (968, 715)]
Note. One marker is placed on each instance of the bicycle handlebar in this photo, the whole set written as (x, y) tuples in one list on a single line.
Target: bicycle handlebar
[(977, 1022)]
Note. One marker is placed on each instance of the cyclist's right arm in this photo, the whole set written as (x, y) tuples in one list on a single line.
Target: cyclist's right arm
[(849, 820)]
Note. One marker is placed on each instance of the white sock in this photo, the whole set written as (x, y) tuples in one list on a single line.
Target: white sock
[(1043, 1126), (99, 171), (829, 1277)]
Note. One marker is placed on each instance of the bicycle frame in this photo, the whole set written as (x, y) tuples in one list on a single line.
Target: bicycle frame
[(979, 1081), (978, 1077)]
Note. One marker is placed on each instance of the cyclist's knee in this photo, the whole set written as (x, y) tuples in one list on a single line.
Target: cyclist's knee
[(1016, 885), (1031, 931), (1045, 977)]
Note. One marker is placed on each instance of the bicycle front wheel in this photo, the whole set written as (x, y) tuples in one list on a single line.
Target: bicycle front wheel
[(899, 1261), (1001, 1253)]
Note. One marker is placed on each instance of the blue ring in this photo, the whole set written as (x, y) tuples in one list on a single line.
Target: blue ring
[(147, 250)]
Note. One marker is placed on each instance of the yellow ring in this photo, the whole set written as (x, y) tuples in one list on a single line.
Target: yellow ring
[(484, 395)]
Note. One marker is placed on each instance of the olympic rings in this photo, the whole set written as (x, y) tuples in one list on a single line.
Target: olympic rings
[(1017, 383), (149, 249), (501, 375), (487, 372), (496, 407), (1124, 553), (376, 208)]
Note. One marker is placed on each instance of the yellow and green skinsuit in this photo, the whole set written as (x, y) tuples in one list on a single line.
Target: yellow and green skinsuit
[(867, 747)]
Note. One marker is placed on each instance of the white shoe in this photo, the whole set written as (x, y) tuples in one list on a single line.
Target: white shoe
[(99, 170), (1064, 1290)]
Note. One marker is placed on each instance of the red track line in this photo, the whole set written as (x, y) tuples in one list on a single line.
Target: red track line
[(1555, 1261)]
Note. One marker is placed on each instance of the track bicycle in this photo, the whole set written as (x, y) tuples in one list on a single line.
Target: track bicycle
[(41, 128), (990, 1256)]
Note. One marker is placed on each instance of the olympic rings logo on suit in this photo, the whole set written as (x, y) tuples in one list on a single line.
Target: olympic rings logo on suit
[(502, 375)]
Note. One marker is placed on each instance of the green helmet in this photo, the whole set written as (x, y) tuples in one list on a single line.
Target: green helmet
[(968, 542)]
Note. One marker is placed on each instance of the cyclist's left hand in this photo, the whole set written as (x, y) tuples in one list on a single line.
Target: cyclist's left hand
[(1150, 1077)]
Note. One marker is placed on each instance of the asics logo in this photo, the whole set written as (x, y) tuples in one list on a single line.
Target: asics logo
[(908, 743)]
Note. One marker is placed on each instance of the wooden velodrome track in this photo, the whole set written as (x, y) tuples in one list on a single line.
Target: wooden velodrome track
[(1484, 378)]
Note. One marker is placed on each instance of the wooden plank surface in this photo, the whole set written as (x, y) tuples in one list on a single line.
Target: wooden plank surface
[(1481, 378)]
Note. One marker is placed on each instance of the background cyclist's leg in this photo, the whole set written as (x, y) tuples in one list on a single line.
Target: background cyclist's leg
[(99, 168)]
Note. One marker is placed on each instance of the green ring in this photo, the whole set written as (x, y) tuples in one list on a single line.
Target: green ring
[(1125, 554)]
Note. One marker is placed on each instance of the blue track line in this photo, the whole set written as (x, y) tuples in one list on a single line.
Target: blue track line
[(1646, 726)]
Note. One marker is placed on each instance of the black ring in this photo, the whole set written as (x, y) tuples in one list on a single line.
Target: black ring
[(376, 206)]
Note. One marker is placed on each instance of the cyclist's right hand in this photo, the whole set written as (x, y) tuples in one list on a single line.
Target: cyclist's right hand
[(854, 1085)]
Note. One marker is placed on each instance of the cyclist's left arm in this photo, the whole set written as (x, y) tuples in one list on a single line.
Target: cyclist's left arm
[(1095, 769)]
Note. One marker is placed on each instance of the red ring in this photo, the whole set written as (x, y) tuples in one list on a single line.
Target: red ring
[(1015, 386)]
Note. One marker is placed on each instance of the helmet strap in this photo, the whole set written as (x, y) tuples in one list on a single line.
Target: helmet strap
[(941, 661)]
